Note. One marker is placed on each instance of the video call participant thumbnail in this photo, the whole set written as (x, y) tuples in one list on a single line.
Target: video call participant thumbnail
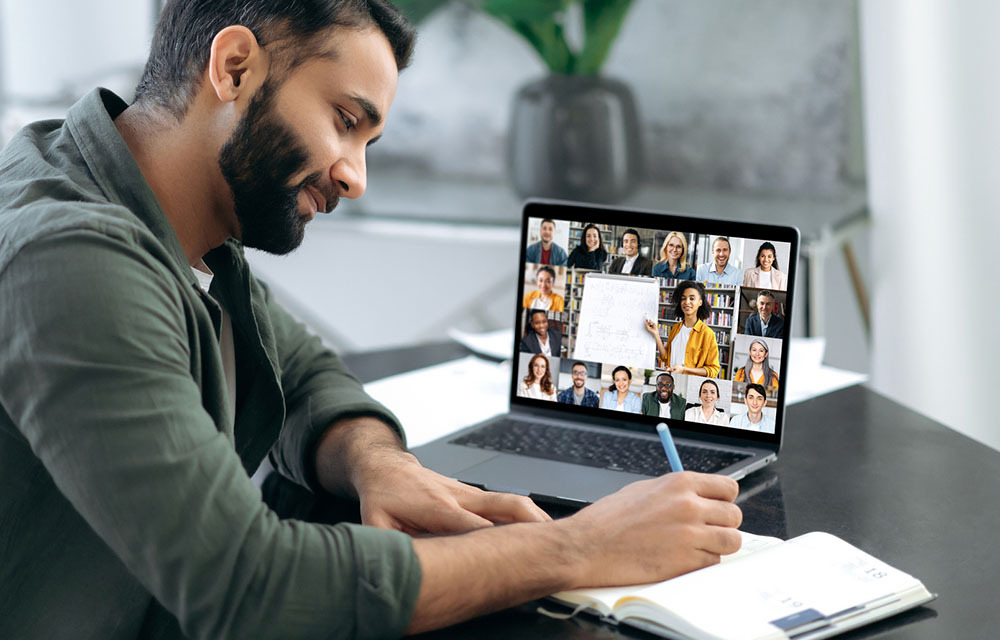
[(631, 263), (720, 270), (539, 338), (766, 322), (590, 252), (663, 402), (538, 383), (754, 419), (545, 251), (691, 347), (673, 262), (618, 397), (543, 297), (706, 412), (579, 394), (758, 366), (765, 274)]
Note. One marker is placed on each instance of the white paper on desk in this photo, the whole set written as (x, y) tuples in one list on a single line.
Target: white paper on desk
[(496, 344), (438, 400), (808, 377)]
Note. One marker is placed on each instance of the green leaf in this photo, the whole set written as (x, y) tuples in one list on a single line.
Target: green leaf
[(416, 10), (602, 20), (548, 40), (539, 11)]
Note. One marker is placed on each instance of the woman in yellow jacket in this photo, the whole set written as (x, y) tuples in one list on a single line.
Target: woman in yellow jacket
[(691, 346)]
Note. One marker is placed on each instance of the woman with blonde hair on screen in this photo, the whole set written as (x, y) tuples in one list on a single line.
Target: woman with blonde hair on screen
[(538, 383), (673, 259), (758, 367)]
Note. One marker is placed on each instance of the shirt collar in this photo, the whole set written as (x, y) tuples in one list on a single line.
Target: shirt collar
[(110, 161)]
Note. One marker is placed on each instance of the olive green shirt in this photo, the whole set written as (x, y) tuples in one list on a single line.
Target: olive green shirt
[(126, 508)]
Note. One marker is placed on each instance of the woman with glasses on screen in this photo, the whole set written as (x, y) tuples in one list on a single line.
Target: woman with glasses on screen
[(691, 346), (673, 259)]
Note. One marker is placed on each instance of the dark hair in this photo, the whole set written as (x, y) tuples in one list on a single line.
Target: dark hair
[(583, 237), (544, 220), (532, 312), (550, 270), (766, 293), (711, 382), (621, 368), (665, 374), (638, 238), (759, 388), (706, 307), (580, 364), (724, 239), (286, 28), (764, 247)]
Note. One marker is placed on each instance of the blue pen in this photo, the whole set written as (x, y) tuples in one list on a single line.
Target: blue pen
[(668, 446)]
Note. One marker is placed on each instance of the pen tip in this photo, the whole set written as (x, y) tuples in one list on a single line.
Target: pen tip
[(661, 426)]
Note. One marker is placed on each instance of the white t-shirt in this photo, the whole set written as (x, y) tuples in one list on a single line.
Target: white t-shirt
[(679, 347), (695, 414), (664, 409), (627, 267), (539, 303), (765, 279), (546, 347), (534, 391), (205, 277)]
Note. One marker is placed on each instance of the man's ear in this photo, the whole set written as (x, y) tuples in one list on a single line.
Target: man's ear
[(237, 63)]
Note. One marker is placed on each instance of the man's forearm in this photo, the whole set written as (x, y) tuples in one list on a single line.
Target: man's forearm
[(343, 451), (491, 569)]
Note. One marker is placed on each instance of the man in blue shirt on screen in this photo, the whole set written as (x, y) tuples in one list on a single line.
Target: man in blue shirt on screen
[(720, 271)]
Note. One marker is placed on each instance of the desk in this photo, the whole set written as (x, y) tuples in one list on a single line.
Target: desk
[(906, 489)]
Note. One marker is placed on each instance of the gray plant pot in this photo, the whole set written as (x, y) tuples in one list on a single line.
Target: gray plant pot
[(575, 137)]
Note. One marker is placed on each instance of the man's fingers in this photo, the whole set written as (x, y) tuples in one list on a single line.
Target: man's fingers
[(455, 520), (723, 514), (721, 541), (503, 507), (716, 487)]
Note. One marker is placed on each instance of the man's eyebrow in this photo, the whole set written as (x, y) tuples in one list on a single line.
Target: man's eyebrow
[(371, 111)]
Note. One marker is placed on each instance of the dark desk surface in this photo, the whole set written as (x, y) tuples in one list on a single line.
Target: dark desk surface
[(904, 488)]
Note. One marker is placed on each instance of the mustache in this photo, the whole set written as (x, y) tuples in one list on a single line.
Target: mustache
[(329, 194)]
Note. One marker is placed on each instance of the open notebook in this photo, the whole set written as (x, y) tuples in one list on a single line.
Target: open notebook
[(813, 586)]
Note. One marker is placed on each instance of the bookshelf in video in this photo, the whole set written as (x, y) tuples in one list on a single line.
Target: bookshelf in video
[(659, 322)]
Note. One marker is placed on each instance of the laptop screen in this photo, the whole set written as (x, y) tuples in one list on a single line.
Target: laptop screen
[(642, 317)]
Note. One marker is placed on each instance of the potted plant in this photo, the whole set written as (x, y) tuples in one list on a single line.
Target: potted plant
[(574, 133)]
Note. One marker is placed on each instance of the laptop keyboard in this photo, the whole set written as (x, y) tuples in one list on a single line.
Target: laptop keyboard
[(592, 448)]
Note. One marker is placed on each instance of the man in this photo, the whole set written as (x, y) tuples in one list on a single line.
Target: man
[(134, 404), (719, 271), (545, 251), (579, 394), (631, 263), (541, 339), (754, 419), (664, 402), (766, 322)]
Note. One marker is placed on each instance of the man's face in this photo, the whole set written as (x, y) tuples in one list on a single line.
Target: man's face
[(539, 323), (579, 375), (300, 146), (755, 401), (630, 244), (765, 306), (544, 279), (664, 388), (720, 250), (547, 230)]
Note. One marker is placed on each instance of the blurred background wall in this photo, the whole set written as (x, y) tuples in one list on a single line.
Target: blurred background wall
[(751, 100)]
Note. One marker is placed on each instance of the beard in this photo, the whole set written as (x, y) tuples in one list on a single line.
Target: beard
[(258, 161)]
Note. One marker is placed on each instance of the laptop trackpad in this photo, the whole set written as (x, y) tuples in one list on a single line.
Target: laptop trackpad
[(522, 475)]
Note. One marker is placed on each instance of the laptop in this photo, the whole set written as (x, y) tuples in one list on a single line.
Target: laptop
[(589, 379)]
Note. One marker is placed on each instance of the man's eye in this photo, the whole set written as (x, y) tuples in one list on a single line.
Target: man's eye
[(348, 123)]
